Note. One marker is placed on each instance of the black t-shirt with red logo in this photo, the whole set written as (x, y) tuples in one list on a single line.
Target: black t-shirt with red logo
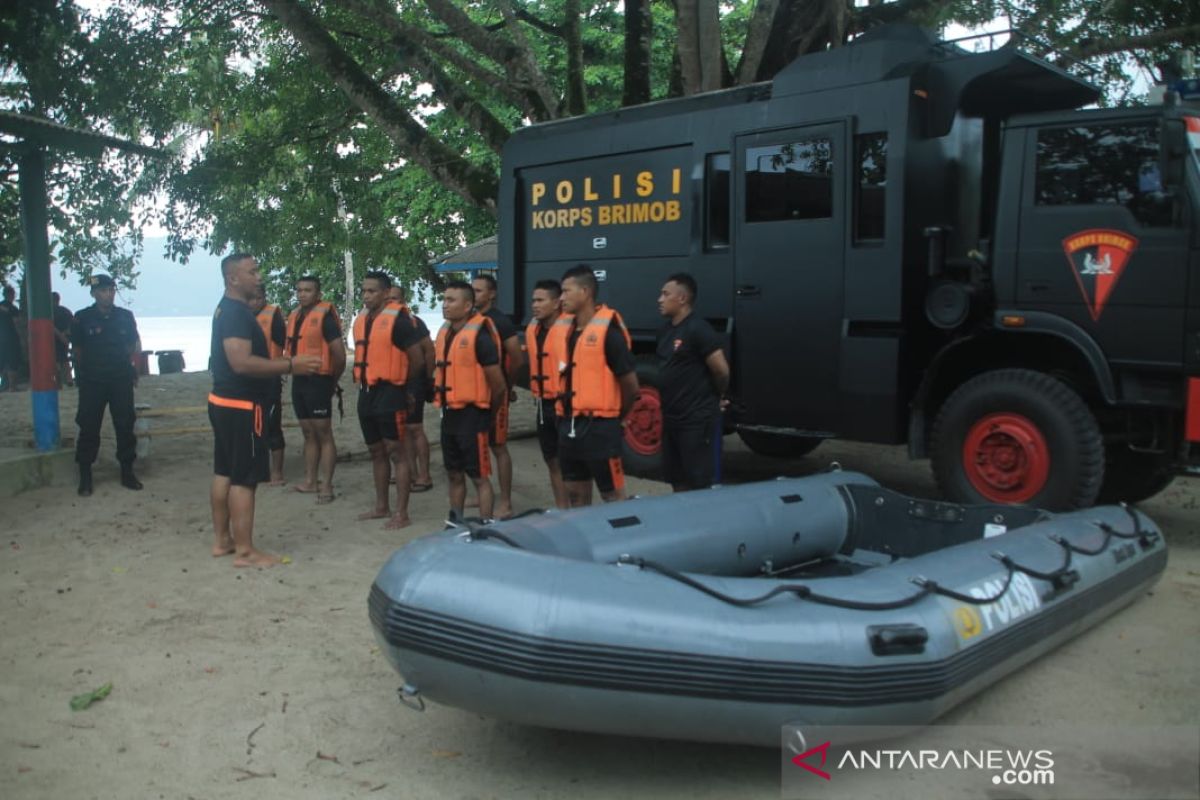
[(685, 384)]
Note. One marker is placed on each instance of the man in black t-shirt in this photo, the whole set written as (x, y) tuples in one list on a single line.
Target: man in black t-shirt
[(10, 341), (693, 378), (590, 430), (312, 396), (244, 381), (105, 338), (465, 429), (511, 359), (384, 401), (422, 393)]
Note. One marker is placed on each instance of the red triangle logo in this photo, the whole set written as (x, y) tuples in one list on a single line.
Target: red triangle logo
[(1098, 257), (822, 750)]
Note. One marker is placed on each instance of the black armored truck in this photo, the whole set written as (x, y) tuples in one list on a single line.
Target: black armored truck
[(905, 242)]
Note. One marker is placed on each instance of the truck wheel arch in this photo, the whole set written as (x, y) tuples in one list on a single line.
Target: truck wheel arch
[(1046, 343)]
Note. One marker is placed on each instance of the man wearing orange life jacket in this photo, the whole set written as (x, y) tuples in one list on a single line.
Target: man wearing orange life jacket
[(548, 323), (468, 386), (597, 386), (511, 361), (270, 320), (244, 378), (387, 356), (314, 329)]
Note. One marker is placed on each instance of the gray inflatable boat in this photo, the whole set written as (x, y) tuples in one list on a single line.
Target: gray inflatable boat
[(725, 614)]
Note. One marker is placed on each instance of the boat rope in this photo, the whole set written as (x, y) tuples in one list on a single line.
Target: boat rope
[(1061, 578), (478, 529)]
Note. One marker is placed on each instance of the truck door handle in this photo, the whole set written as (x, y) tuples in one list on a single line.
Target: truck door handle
[(748, 291), (1037, 286)]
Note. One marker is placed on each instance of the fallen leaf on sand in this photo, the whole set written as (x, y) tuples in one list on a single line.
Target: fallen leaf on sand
[(118, 570), (285, 560), (210, 670), (81, 701)]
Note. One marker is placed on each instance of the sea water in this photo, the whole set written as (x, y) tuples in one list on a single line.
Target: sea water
[(193, 335)]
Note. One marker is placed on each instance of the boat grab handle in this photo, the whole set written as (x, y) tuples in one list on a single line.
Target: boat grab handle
[(410, 696)]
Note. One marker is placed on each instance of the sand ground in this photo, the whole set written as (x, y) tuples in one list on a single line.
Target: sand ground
[(268, 683)]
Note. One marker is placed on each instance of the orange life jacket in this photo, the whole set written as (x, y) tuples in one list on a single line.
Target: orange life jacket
[(544, 379), (265, 318), (595, 390), (308, 338), (378, 359), (458, 378)]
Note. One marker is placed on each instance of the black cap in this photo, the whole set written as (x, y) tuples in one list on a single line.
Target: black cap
[(101, 281)]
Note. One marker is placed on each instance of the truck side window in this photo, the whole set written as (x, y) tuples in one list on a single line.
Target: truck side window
[(789, 181), (870, 155), (1103, 164), (716, 201)]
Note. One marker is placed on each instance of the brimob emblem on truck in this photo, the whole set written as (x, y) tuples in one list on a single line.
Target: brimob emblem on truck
[(1098, 257)]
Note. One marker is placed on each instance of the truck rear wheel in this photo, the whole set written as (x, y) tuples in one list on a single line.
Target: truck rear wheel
[(1130, 476), (777, 445), (1018, 436), (641, 450)]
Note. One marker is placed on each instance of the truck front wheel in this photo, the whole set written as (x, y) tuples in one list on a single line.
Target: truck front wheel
[(1018, 436)]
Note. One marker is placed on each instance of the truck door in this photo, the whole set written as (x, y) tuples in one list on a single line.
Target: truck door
[(789, 248), (1098, 242)]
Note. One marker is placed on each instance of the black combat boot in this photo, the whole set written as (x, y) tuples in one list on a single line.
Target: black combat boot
[(128, 479), (85, 480)]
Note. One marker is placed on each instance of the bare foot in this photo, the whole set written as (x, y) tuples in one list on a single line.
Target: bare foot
[(374, 514), (277, 482), (222, 548), (503, 512), (255, 558), (397, 522), (305, 488)]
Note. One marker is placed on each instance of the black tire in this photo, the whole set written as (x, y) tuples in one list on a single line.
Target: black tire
[(776, 445), (1131, 477), (1071, 467), (641, 446)]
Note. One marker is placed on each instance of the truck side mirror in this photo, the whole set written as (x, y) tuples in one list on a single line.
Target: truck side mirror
[(1172, 151)]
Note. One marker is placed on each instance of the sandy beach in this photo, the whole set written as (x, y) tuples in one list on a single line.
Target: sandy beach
[(268, 683)]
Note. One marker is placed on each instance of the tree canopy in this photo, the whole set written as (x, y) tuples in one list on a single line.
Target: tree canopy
[(305, 128)]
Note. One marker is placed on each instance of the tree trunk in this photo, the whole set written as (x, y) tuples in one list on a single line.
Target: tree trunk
[(638, 36), (576, 89), (687, 44), (708, 30)]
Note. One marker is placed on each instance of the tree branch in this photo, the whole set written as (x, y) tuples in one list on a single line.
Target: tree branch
[(527, 61), (444, 164), (412, 57), (756, 41), (1089, 48), (506, 54)]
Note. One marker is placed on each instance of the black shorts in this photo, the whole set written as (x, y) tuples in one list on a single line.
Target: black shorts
[(465, 441), (240, 450), (312, 396), (547, 428), (382, 413), (416, 390), (593, 453), (275, 439), (687, 453)]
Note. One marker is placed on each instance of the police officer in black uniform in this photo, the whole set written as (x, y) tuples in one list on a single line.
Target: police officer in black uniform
[(105, 338)]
